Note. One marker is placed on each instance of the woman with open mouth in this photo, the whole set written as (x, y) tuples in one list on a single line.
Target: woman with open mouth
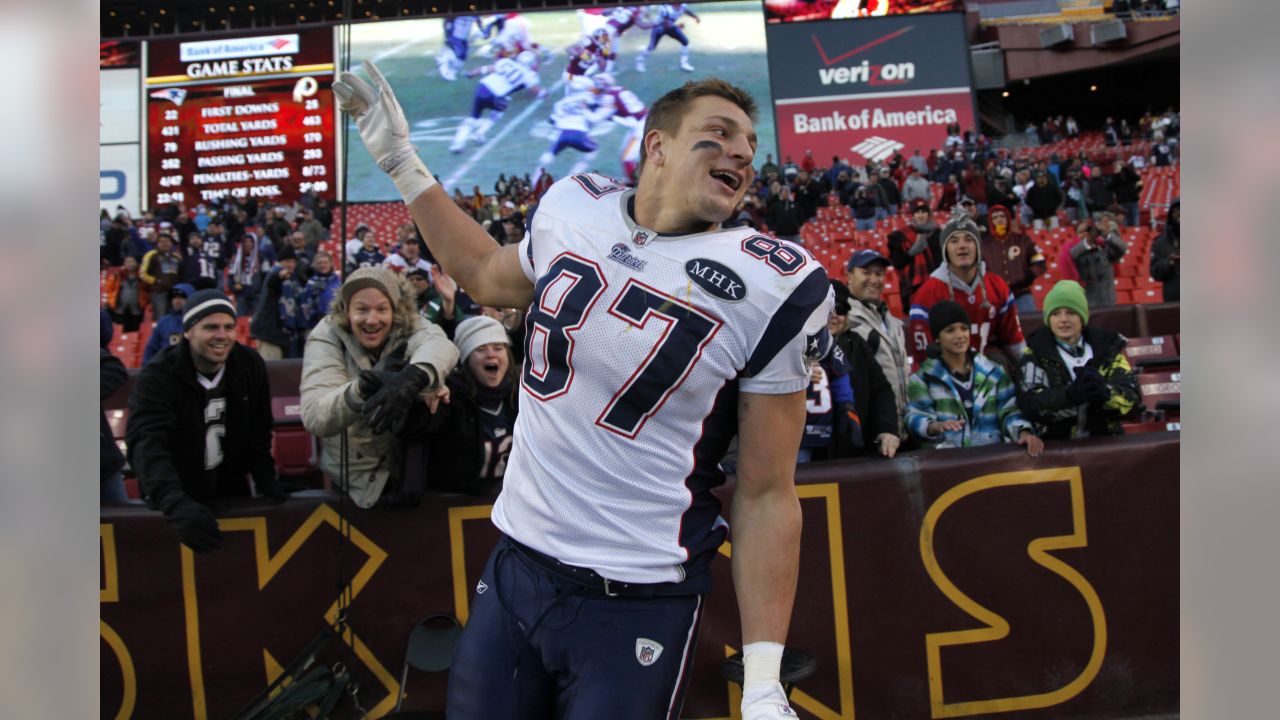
[(469, 436), (372, 368)]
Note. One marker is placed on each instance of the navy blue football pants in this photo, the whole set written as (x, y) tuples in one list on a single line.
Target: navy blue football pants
[(539, 646)]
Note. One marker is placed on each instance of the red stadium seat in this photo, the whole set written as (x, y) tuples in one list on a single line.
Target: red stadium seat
[(1161, 391), (1148, 352), (294, 450)]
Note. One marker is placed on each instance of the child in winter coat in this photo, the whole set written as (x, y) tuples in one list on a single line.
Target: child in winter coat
[(959, 398), (1075, 379)]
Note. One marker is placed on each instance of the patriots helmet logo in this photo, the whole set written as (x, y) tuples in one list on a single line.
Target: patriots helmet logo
[(173, 95)]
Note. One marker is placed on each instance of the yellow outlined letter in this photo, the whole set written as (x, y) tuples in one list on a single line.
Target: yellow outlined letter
[(996, 627)]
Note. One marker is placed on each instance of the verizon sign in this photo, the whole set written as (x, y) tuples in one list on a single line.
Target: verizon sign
[(865, 89), (239, 47)]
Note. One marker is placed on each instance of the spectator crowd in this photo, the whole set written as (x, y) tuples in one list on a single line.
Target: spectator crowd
[(398, 358)]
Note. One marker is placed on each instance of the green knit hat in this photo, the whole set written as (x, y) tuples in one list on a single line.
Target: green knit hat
[(1067, 294)]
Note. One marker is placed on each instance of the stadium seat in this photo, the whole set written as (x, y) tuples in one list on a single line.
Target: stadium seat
[(1135, 428), (1149, 352), (1161, 391), (294, 450)]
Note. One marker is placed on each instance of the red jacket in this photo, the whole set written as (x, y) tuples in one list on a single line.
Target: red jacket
[(990, 308)]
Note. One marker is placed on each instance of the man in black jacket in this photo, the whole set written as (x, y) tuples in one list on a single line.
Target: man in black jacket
[(111, 376), (783, 215), (200, 421), (872, 394)]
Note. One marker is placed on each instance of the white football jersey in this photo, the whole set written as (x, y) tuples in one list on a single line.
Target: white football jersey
[(573, 113), (637, 345), (509, 76)]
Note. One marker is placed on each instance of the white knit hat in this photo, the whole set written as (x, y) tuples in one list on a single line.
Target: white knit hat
[(377, 277), (476, 331)]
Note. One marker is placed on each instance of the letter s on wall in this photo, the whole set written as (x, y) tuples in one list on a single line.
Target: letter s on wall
[(996, 627)]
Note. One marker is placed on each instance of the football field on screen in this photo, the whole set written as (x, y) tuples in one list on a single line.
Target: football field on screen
[(729, 43)]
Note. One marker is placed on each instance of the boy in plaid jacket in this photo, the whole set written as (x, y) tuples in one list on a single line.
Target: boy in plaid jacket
[(959, 398)]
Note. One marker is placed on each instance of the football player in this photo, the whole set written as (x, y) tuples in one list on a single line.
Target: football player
[(622, 106), (457, 40), (669, 24), (511, 36), (653, 338), (501, 80), (592, 53), (573, 117)]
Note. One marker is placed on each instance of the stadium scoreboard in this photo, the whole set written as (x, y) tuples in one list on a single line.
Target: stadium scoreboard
[(247, 117)]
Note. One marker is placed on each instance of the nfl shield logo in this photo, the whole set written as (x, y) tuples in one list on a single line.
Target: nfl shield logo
[(640, 238), (647, 651)]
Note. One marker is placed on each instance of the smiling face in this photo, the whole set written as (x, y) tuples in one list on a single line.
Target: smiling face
[(1066, 324), (699, 172), (211, 340), (867, 283), (954, 338), (489, 364), (371, 315)]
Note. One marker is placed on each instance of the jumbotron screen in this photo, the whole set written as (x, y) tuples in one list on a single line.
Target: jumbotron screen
[(777, 11), (240, 117), (452, 75)]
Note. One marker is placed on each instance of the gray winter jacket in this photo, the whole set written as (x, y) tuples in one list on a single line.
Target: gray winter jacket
[(1094, 263), (887, 336), (331, 400)]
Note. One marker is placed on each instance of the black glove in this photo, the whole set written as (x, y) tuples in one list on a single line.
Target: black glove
[(1076, 392), (1094, 385), (849, 425), (194, 522), (368, 383), (389, 407)]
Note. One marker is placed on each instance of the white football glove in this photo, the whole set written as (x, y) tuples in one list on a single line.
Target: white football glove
[(383, 129), (766, 702)]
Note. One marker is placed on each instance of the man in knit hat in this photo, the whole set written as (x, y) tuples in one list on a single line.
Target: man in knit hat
[(962, 277), (200, 422), (1075, 379)]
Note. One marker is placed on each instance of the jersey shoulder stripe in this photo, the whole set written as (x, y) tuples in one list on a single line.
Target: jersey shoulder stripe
[(789, 320)]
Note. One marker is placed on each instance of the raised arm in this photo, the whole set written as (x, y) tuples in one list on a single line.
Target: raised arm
[(490, 273)]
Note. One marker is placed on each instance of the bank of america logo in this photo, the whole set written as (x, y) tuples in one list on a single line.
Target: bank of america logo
[(877, 148)]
